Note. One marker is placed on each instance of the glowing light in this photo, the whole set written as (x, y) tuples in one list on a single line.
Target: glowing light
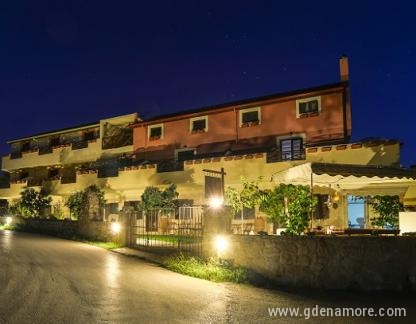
[(9, 220), (221, 244), (215, 202), (115, 227), (336, 196)]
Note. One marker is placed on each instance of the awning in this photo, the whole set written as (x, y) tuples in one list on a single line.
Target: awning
[(410, 196), (355, 179)]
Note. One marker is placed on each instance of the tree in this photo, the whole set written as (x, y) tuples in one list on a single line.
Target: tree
[(77, 201), (31, 203), (154, 198), (289, 205), (387, 209), (250, 196)]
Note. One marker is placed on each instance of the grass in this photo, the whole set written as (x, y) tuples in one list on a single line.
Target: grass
[(7, 227), (105, 245), (206, 269), (171, 238)]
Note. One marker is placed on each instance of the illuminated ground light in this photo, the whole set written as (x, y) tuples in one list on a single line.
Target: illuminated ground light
[(9, 220), (221, 244), (115, 227)]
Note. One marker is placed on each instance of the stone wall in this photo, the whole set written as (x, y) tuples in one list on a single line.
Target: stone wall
[(65, 228), (330, 262), (98, 231)]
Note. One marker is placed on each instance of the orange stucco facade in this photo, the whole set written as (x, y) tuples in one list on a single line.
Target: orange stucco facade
[(278, 117)]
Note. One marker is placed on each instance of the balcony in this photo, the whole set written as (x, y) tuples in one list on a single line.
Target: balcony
[(279, 156), (15, 155), (34, 182), (79, 145), (169, 166)]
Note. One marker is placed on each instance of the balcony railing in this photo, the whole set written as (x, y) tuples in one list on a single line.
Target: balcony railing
[(15, 155), (279, 156), (169, 166), (79, 145), (69, 178), (34, 182), (45, 150)]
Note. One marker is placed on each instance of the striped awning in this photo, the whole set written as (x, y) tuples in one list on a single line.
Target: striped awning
[(409, 198)]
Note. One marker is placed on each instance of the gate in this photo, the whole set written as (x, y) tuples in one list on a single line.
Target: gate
[(169, 229)]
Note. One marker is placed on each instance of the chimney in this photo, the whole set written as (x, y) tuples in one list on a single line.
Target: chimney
[(343, 68)]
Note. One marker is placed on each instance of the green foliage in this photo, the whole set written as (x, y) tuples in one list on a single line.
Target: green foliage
[(77, 201), (105, 245), (154, 198), (250, 196), (57, 210), (74, 203), (31, 203), (209, 270), (387, 208), (289, 205)]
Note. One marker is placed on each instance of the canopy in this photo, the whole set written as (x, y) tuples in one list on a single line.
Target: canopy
[(355, 179), (410, 196)]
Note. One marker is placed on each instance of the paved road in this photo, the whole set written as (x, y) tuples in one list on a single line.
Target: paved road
[(49, 280)]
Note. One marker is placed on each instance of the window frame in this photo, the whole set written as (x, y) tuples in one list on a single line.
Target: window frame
[(248, 110), (149, 132), (292, 151), (177, 151), (308, 114), (194, 119)]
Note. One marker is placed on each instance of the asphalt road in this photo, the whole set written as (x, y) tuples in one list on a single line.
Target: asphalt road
[(49, 280)]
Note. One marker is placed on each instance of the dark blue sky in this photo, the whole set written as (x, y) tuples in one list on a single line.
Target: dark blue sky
[(64, 63)]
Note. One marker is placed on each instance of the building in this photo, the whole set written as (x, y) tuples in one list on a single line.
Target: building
[(255, 137)]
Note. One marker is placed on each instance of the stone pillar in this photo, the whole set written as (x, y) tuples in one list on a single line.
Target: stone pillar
[(91, 212), (216, 222)]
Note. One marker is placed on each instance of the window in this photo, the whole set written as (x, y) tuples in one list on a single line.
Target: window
[(155, 132), (321, 210), (308, 107), (291, 149), (246, 213), (89, 136), (111, 208), (356, 212), (53, 174), (199, 124), (250, 117), (26, 147), (187, 154), (133, 204), (55, 141)]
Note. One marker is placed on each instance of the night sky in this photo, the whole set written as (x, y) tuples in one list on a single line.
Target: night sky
[(65, 63)]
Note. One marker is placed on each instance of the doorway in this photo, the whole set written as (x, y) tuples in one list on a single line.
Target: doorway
[(356, 212)]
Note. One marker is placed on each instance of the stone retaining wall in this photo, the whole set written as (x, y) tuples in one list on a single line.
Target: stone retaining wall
[(99, 231), (330, 262)]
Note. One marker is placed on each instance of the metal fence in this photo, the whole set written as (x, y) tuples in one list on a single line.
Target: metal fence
[(175, 229)]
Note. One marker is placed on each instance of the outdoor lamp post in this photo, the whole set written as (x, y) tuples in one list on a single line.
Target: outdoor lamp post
[(216, 202)]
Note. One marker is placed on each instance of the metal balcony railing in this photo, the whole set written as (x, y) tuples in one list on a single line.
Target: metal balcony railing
[(279, 156)]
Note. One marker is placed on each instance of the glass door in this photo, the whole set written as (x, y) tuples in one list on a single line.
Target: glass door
[(356, 212)]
